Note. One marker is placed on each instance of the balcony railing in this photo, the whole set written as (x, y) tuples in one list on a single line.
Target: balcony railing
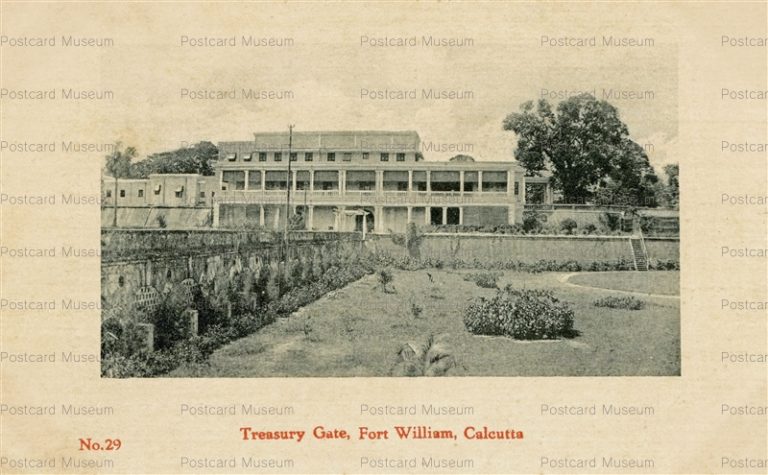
[(366, 197)]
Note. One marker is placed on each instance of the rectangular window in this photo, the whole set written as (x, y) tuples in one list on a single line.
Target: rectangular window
[(294, 156), (122, 193), (400, 157), (179, 191), (232, 157), (247, 157), (202, 194), (347, 157), (141, 193), (308, 157), (278, 156), (366, 155), (384, 157), (158, 188), (233, 180), (331, 157), (109, 193), (517, 187), (262, 156)]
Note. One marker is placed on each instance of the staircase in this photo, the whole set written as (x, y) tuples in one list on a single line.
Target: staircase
[(638, 253)]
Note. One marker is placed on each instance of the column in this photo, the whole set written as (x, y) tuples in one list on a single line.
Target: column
[(342, 181), (261, 215), (429, 181), (409, 217), (246, 180), (427, 214), (310, 217), (461, 181), (410, 181), (311, 181), (479, 180), (445, 215), (461, 215), (293, 178), (511, 214), (263, 179), (379, 219), (379, 181), (216, 214), (510, 183)]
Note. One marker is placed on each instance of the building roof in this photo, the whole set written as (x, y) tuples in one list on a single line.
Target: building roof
[(340, 140)]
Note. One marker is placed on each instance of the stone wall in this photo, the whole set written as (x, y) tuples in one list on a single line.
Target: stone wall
[(145, 264), (490, 248)]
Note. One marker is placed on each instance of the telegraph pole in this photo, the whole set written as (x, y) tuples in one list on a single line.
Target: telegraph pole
[(288, 182)]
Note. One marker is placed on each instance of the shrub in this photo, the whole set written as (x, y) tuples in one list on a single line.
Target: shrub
[(568, 225), (626, 303), (486, 280), (416, 310), (384, 277), (432, 358), (532, 222), (611, 221), (590, 228), (521, 314)]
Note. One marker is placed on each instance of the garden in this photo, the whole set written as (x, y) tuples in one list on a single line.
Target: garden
[(454, 322)]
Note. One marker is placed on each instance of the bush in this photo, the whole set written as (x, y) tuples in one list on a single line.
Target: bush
[(611, 221), (626, 303), (384, 277), (568, 225), (532, 222), (521, 314), (486, 280)]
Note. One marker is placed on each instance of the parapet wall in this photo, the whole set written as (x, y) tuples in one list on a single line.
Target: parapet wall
[(490, 248), (144, 264)]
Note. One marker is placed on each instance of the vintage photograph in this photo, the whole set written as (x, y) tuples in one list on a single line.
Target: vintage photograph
[(341, 253)]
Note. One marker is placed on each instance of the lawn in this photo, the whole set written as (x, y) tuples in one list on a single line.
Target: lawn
[(358, 330), (663, 283)]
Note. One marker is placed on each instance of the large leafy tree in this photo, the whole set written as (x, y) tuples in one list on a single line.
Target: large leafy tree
[(584, 144), (195, 159), (118, 165)]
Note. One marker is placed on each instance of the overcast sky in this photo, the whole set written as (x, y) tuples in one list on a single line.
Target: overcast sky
[(330, 63)]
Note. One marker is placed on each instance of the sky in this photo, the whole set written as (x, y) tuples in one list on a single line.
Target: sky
[(508, 54)]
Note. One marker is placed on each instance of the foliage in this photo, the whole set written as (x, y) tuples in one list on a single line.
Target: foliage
[(626, 303), (197, 158), (385, 277), (416, 310), (610, 220), (568, 225), (432, 358), (486, 280), (228, 308), (533, 221), (408, 263), (584, 143), (462, 158), (526, 314), (118, 163)]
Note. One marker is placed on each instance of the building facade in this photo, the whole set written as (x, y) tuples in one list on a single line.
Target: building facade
[(350, 180), (171, 190)]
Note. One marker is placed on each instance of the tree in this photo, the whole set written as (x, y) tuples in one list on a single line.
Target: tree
[(195, 159), (673, 183), (118, 165), (583, 143), (462, 158)]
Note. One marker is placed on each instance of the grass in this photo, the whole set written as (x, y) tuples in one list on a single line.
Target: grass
[(358, 330), (652, 282)]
